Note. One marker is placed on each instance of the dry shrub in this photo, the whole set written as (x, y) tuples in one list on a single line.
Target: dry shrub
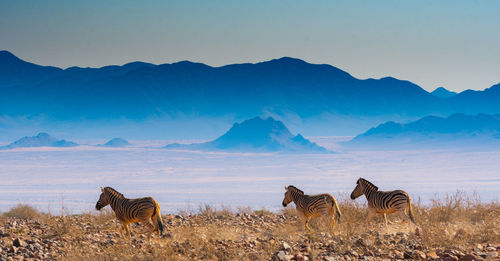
[(22, 211), (459, 220), (244, 210), (104, 217), (289, 211), (211, 211), (263, 212)]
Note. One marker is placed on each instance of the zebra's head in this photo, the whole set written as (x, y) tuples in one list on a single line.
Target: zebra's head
[(288, 194), (358, 190), (362, 185), (103, 200)]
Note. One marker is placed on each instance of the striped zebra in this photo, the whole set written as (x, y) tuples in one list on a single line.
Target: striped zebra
[(132, 210), (309, 206), (383, 202)]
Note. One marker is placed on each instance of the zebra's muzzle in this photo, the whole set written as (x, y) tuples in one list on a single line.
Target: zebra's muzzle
[(98, 206), (283, 203)]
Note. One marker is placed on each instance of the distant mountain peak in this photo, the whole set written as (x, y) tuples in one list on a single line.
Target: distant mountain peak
[(186, 89), (458, 128), (258, 135), (287, 59), (7, 58), (43, 139), (6, 54), (117, 142), (442, 92), (43, 135)]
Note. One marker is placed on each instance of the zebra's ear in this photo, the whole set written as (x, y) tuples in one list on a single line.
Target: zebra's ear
[(102, 189), (286, 188)]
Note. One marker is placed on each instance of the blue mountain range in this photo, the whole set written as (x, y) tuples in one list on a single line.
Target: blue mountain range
[(257, 135), (116, 143), (442, 92), (460, 129), (287, 85), (40, 140)]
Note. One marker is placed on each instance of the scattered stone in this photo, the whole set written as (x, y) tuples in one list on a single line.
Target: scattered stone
[(19, 243), (299, 257), (418, 232), (450, 258), (285, 247), (432, 254), (408, 254), (469, 257), (30, 240), (419, 254), (398, 254), (491, 248), (280, 256)]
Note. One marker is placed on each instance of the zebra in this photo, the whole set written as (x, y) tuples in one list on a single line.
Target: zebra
[(132, 210), (309, 206), (383, 202)]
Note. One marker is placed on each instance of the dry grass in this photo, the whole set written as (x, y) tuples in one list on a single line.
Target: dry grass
[(22, 211), (455, 222)]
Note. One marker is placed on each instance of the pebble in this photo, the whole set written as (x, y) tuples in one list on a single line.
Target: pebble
[(19, 243), (34, 240), (281, 255)]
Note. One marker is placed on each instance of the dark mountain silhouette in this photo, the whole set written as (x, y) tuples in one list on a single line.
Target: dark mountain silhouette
[(41, 140), (16, 72), (458, 128), (473, 102), (116, 142), (442, 92), (284, 86), (257, 135)]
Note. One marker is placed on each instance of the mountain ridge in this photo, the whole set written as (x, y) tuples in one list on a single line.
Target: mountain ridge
[(442, 92), (457, 128), (41, 140), (278, 87), (256, 135)]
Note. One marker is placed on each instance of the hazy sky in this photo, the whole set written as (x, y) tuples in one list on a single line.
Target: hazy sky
[(455, 44)]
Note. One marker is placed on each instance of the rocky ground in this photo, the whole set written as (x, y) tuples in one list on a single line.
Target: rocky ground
[(259, 235)]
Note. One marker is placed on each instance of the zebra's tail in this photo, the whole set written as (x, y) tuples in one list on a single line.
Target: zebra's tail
[(410, 211), (158, 217), (337, 210)]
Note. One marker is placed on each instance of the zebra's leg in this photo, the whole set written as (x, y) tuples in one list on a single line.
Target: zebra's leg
[(371, 213), (155, 225), (306, 223), (150, 226), (332, 222), (302, 218), (122, 228), (331, 215), (127, 230)]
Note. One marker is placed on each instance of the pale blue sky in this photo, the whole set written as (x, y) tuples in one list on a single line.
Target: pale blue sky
[(455, 44)]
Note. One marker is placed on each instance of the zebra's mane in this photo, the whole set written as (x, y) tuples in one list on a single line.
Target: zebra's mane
[(368, 183), (113, 192), (296, 189)]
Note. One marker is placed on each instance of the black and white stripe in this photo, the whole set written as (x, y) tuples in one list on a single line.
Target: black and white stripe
[(132, 210), (383, 202), (309, 206)]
